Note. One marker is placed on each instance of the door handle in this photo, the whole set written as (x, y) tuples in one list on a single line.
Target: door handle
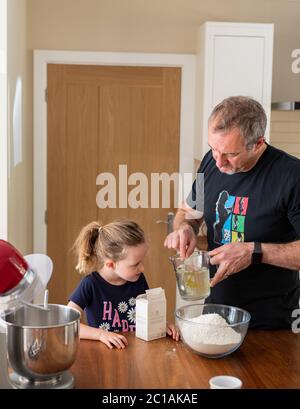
[(169, 222)]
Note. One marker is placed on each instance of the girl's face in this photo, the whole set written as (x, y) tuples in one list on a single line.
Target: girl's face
[(131, 267)]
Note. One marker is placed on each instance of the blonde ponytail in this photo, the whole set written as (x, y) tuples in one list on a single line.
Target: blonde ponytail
[(84, 247), (96, 243)]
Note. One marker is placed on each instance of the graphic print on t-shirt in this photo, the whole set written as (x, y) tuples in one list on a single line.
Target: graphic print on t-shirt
[(118, 319), (231, 212)]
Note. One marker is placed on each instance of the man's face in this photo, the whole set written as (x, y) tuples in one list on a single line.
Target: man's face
[(230, 152)]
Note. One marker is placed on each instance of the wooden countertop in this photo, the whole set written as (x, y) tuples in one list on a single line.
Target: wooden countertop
[(266, 359)]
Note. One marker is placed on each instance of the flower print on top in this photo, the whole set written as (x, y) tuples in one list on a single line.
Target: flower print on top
[(131, 315), (122, 306), (109, 304), (105, 326), (131, 301)]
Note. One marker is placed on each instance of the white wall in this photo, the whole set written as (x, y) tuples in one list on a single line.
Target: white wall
[(166, 26), (162, 26), (285, 131), (19, 128)]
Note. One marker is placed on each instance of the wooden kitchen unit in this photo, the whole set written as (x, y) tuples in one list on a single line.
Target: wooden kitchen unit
[(266, 360)]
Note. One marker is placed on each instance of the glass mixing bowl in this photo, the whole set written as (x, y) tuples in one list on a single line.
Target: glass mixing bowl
[(212, 330)]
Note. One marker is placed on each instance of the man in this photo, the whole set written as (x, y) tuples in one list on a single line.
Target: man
[(252, 213)]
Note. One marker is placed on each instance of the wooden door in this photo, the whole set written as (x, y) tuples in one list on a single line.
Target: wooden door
[(98, 118)]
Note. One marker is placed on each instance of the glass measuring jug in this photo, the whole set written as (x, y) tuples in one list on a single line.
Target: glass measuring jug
[(192, 275)]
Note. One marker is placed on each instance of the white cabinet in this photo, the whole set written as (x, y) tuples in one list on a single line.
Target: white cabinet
[(232, 59)]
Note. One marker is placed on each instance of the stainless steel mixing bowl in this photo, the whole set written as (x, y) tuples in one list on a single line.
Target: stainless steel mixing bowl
[(42, 344)]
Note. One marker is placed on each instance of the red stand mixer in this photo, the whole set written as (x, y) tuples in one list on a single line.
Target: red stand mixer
[(41, 340)]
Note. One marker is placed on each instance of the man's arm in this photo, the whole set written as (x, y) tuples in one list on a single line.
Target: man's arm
[(285, 255), (234, 257), (186, 216), (186, 227)]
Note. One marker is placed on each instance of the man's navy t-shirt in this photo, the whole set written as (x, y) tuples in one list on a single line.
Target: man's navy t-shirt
[(260, 205), (108, 306)]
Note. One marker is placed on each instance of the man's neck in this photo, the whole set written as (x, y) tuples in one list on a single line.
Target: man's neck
[(256, 158)]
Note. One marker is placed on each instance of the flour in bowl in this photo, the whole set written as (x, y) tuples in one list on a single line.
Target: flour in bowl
[(212, 336)]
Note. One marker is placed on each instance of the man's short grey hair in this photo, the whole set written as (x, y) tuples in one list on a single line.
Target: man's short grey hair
[(242, 113)]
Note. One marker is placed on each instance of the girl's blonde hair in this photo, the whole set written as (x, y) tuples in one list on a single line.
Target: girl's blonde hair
[(95, 243)]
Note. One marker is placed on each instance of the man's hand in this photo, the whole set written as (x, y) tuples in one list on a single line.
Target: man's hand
[(230, 259), (183, 240)]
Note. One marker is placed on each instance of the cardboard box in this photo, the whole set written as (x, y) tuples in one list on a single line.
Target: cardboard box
[(151, 314)]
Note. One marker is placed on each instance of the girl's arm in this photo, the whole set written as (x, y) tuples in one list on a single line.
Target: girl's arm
[(110, 339)]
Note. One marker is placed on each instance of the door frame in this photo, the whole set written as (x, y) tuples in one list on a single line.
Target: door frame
[(187, 63)]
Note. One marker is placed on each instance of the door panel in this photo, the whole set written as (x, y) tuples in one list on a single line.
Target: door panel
[(98, 118)]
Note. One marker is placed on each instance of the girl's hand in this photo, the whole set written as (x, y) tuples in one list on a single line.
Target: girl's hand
[(173, 332), (112, 339)]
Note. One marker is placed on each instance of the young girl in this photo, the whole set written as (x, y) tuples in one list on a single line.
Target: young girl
[(111, 257)]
